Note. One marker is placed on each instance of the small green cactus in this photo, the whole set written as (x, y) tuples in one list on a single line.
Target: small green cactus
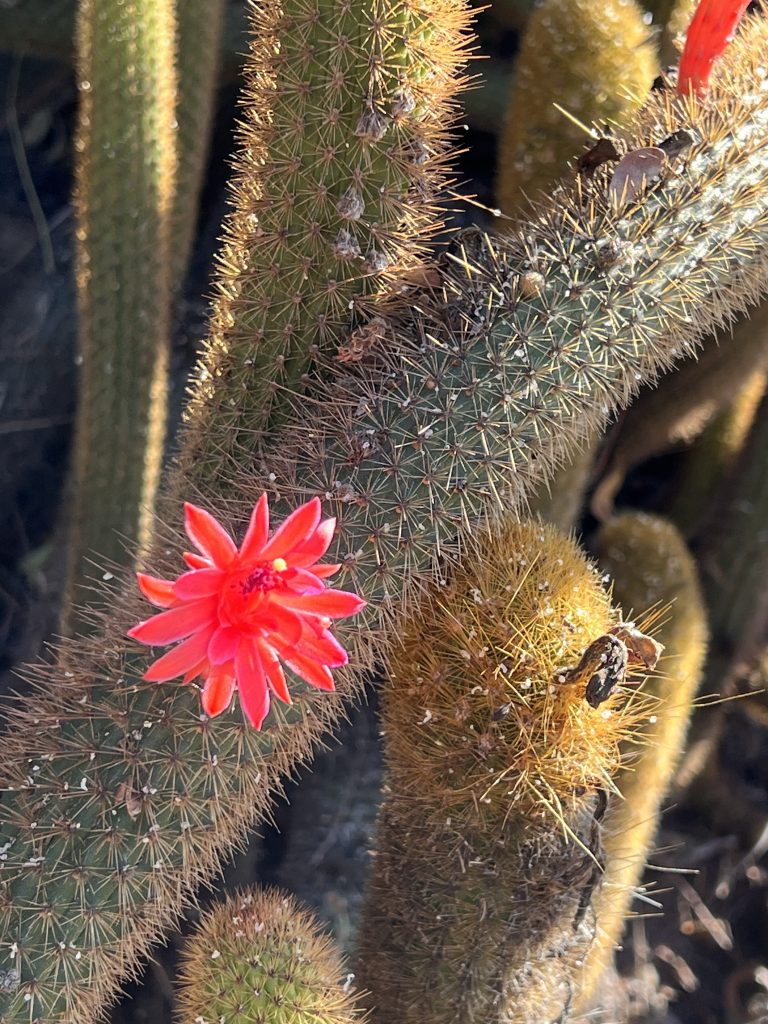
[(596, 61), (498, 751), (652, 572), (260, 957)]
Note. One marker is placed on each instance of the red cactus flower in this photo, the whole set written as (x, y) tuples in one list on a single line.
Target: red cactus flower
[(711, 30), (241, 613)]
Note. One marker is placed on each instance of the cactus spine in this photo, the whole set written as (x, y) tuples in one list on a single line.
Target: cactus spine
[(652, 569), (260, 957), (124, 197), (488, 849), (540, 338), (595, 60)]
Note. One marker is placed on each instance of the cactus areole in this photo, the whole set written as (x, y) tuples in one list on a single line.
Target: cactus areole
[(239, 612)]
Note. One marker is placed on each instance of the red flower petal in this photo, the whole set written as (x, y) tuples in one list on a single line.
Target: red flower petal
[(223, 645), (282, 621), (196, 561), (296, 530), (336, 603), (257, 532), (324, 649), (324, 571), (158, 592), (316, 675), (302, 581), (711, 30), (217, 691), (191, 586), (200, 669), (252, 683), (180, 659), (167, 627), (274, 672), (316, 546), (209, 536)]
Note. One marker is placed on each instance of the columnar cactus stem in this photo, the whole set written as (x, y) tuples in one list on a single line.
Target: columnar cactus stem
[(336, 190), (124, 197), (498, 752), (260, 957), (652, 570), (526, 347), (596, 61)]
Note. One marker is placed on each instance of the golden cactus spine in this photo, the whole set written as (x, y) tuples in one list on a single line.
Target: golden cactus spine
[(652, 570), (126, 166), (259, 956), (594, 60), (499, 751)]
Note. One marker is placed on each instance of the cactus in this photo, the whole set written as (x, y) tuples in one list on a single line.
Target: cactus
[(497, 750), (595, 60), (712, 457), (347, 200), (478, 389), (260, 957), (684, 402), (127, 83), (652, 570)]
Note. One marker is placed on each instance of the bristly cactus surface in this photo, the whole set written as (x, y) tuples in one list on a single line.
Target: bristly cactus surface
[(498, 760), (597, 61), (652, 571), (344, 140), (260, 957), (525, 347), (126, 167)]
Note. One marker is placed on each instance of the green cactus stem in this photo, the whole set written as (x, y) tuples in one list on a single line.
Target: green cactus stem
[(526, 347), (597, 61), (712, 457), (336, 189), (259, 956), (560, 499), (126, 166), (478, 909), (652, 570), (682, 404)]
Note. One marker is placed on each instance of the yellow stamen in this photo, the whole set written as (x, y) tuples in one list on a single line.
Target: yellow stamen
[(279, 565)]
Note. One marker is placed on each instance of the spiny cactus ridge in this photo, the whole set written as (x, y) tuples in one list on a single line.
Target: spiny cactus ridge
[(652, 570), (260, 957), (344, 141), (595, 60), (126, 166), (525, 347), (497, 756)]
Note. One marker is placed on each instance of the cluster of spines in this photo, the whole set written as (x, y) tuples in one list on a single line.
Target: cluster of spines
[(259, 956), (652, 571), (125, 177), (523, 348), (595, 62), (497, 763)]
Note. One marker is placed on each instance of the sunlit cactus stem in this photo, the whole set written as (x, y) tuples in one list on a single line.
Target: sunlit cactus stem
[(653, 573), (499, 757), (259, 956), (125, 179), (594, 62)]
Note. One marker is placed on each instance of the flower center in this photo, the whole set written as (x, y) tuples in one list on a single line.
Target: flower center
[(246, 589)]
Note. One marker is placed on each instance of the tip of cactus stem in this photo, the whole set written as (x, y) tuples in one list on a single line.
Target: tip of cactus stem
[(513, 688)]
